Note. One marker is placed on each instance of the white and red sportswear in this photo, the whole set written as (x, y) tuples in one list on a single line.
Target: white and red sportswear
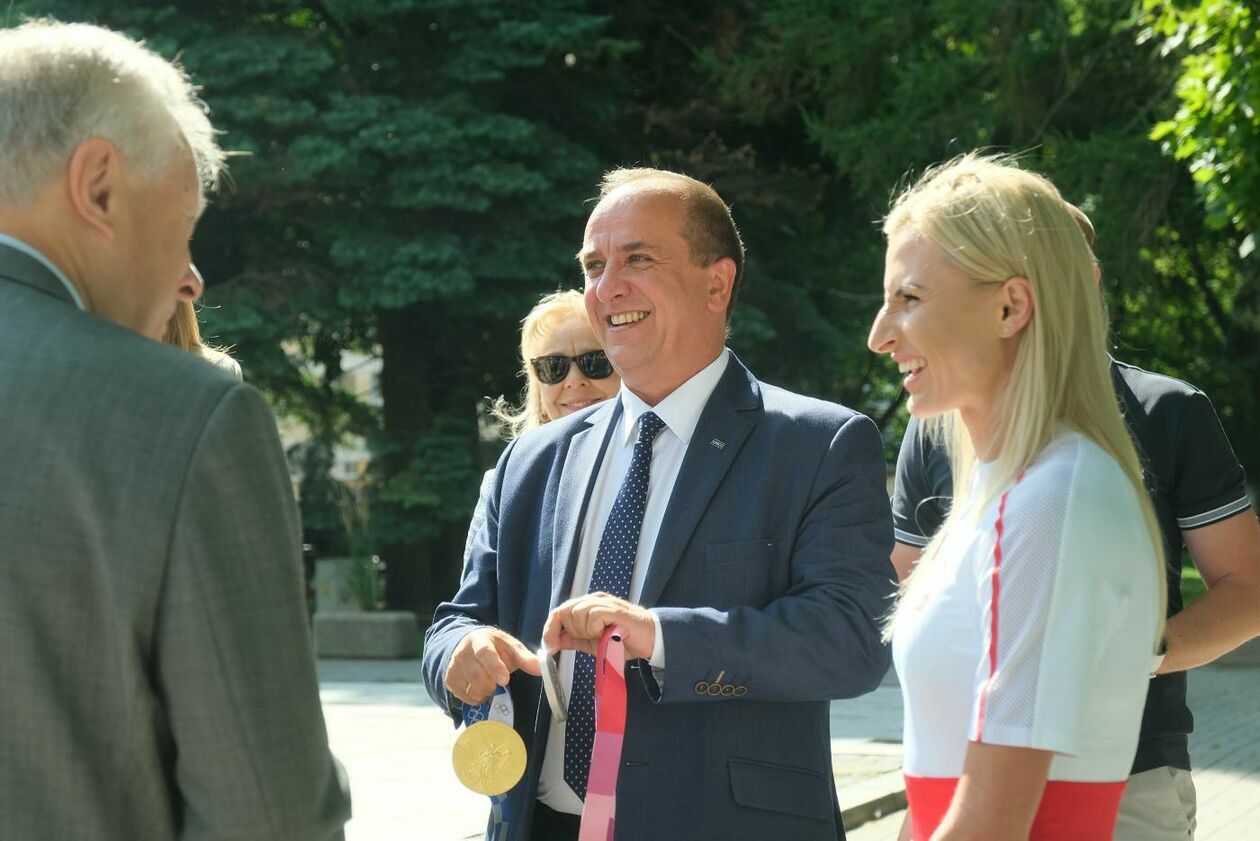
[(1034, 627)]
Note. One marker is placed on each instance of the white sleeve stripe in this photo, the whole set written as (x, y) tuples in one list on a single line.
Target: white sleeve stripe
[(910, 539), (1218, 513)]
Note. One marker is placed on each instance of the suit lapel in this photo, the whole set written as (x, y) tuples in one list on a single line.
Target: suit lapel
[(577, 480), (724, 426)]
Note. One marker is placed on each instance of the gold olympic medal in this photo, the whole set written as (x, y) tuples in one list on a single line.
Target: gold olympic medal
[(489, 757)]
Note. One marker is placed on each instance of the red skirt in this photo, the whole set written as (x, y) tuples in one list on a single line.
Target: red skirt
[(1068, 811)]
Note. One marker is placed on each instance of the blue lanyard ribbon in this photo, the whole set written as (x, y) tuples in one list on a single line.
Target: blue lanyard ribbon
[(498, 708)]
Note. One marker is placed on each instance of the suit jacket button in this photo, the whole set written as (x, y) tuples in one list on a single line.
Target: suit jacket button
[(702, 687)]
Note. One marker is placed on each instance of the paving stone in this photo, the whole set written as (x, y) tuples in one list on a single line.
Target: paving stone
[(1225, 752), (883, 829)]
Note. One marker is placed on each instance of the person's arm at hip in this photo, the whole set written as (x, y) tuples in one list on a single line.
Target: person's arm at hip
[(904, 557), (1227, 555)]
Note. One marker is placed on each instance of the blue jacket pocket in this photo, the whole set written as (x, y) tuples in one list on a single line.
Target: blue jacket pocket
[(780, 788)]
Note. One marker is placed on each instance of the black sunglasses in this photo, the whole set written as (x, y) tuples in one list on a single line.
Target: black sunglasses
[(593, 364)]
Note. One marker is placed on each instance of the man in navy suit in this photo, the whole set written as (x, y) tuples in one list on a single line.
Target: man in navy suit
[(738, 533)]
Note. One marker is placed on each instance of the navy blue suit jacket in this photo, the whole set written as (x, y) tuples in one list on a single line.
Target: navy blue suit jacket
[(769, 575)]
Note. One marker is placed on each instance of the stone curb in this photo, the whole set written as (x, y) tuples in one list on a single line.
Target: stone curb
[(876, 806)]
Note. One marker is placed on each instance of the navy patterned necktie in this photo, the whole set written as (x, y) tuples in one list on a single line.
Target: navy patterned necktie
[(614, 564)]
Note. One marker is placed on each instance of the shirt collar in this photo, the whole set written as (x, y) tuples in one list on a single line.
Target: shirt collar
[(681, 409), (29, 251)]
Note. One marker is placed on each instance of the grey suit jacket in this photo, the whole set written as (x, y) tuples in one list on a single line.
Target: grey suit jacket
[(158, 681)]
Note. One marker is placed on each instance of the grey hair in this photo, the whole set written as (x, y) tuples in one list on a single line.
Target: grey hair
[(61, 83)]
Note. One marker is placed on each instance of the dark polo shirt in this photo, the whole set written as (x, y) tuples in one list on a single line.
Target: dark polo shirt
[(1193, 478)]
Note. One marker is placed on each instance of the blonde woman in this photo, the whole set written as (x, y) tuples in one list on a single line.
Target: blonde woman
[(565, 371), (182, 332), (564, 367), (1025, 635)]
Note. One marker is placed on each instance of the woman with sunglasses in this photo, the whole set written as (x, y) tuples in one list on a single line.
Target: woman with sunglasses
[(565, 371), (564, 367)]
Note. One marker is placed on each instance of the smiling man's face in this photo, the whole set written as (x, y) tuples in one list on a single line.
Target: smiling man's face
[(659, 316)]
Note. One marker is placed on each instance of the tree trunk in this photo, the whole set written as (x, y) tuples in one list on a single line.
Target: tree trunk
[(427, 389)]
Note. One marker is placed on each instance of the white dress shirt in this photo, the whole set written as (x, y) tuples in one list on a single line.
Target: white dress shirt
[(30, 251), (681, 412)]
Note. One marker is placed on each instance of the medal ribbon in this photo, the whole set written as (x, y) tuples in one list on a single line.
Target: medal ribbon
[(498, 708), (600, 808)]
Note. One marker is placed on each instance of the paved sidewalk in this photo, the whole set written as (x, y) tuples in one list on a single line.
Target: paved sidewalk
[(1225, 746), (396, 747)]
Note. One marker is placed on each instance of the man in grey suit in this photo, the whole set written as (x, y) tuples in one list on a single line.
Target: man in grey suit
[(732, 529), (158, 681)]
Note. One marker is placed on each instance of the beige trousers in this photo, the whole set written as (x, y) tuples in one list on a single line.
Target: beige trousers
[(1158, 805)]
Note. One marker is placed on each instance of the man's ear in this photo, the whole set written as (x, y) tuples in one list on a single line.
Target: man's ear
[(721, 275), (92, 181), (1017, 306)]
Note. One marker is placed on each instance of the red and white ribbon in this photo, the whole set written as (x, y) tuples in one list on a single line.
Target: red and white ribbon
[(600, 808)]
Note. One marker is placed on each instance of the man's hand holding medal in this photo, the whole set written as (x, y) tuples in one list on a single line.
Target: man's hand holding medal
[(489, 756), (485, 659)]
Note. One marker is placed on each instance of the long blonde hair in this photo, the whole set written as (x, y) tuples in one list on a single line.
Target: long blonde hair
[(548, 314), (183, 332), (996, 221)]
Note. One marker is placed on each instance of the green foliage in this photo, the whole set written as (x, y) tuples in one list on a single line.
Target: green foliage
[(1192, 585), (1216, 129), (412, 176), (414, 494), (365, 582), (884, 90), (406, 168)]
